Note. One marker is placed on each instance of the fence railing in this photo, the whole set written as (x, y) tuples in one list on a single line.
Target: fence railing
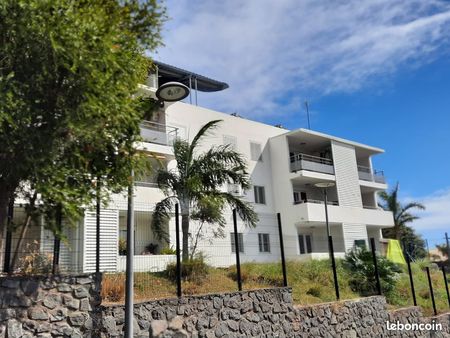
[(229, 263), (366, 174), (316, 202), (158, 133), (312, 163)]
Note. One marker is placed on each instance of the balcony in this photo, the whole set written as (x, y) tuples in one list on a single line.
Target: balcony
[(311, 163), (158, 133), (316, 202), (315, 213), (366, 174)]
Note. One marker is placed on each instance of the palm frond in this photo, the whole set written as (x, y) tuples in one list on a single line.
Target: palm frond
[(244, 209), (167, 180), (160, 218), (204, 130), (220, 165), (412, 205)]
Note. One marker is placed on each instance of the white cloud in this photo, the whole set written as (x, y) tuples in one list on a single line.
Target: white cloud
[(275, 53), (437, 213)]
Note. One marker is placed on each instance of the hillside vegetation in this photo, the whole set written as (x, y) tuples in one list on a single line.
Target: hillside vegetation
[(311, 282)]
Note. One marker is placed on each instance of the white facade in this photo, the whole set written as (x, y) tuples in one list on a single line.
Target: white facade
[(285, 165)]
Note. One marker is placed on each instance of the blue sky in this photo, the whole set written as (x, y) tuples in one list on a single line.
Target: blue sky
[(377, 72)]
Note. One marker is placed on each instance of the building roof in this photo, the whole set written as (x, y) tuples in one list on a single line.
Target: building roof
[(309, 134), (167, 73)]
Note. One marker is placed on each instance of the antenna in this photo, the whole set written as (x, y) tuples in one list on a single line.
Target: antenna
[(307, 114)]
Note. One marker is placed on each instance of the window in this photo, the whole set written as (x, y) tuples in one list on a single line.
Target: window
[(260, 194), (360, 243), (230, 140), (305, 244), (264, 242), (299, 197), (255, 151), (240, 242)]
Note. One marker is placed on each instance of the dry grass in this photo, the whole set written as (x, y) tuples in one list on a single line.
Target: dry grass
[(311, 282), (113, 288)]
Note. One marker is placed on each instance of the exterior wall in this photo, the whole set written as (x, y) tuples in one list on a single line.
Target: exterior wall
[(146, 263), (320, 241), (348, 189), (71, 253), (346, 173), (109, 220), (272, 172), (57, 306), (266, 313), (70, 307)]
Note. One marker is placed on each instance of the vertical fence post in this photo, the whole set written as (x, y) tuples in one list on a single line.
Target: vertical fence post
[(236, 247), (129, 274), (177, 239), (283, 259), (97, 230), (7, 257), (375, 264), (446, 284), (333, 265), (431, 290), (411, 281), (8, 240), (57, 240)]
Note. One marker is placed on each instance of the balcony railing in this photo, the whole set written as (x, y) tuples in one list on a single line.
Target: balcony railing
[(312, 163), (158, 133), (366, 174), (371, 207), (316, 202)]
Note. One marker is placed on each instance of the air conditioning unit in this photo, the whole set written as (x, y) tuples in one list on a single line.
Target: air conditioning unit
[(235, 189)]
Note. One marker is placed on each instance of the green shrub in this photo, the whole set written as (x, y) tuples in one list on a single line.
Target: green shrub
[(359, 263), (266, 273), (193, 270), (122, 247), (35, 262), (168, 251), (314, 291)]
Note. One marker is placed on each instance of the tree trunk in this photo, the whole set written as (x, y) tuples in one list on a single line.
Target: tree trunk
[(398, 234), (20, 242), (184, 208), (25, 227)]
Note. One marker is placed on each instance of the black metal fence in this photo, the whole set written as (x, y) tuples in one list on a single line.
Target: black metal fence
[(164, 275)]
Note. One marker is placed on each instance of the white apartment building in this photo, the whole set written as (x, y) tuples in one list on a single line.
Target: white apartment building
[(284, 167)]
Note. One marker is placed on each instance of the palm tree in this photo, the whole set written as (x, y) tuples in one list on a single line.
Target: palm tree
[(196, 185), (401, 213)]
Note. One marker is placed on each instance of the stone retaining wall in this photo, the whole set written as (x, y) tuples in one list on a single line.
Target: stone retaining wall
[(70, 307), (266, 313), (59, 306)]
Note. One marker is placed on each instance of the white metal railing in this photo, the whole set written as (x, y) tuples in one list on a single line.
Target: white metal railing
[(378, 176), (141, 182), (366, 174), (371, 207), (158, 133), (316, 202), (313, 163)]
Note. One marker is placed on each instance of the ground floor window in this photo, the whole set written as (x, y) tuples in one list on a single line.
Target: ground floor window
[(360, 243), (264, 242), (240, 242), (305, 243)]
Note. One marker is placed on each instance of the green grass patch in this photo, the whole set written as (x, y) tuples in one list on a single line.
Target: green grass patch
[(311, 282)]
